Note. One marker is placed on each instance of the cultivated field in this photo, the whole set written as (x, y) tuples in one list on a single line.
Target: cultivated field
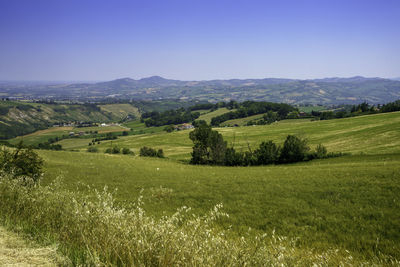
[(45, 135)]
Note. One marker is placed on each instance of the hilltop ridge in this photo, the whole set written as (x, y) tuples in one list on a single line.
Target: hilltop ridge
[(325, 91)]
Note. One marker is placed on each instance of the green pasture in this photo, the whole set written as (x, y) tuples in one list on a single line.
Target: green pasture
[(372, 134), (208, 116), (242, 121), (140, 128), (350, 202)]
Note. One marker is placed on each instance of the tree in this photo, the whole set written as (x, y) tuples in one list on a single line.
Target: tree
[(294, 149), (199, 136), (209, 146), (169, 128), (270, 117), (233, 158), (267, 153), (217, 148), (21, 162)]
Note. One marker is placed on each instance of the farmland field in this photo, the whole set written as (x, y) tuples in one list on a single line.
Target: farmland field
[(43, 135), (348, 203), (373, 134), (208, 116)]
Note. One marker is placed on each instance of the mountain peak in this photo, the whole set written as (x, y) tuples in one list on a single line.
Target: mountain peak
[(154, 79)]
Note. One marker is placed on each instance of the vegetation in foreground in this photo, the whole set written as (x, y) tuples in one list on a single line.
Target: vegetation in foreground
[(16, 251), (98, 232)]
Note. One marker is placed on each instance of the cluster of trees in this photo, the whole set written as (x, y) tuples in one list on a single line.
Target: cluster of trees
[(151, 152), (249, 108), (229, 105), (267, 118), (48, 146), (168, 117), (21, 162), (390, 107), (356, 110), (210, 148), (116, 150)]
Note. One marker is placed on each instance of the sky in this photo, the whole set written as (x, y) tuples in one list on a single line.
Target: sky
[(84, 40)]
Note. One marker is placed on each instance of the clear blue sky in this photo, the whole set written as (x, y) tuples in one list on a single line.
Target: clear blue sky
[(197, 40)]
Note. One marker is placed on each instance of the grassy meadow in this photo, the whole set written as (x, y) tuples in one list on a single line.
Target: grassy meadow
[(347, 203), (208, 116), (372, 134)]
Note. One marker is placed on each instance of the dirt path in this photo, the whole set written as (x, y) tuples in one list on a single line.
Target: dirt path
[(15, 251)]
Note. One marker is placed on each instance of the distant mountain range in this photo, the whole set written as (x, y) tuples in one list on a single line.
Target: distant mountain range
[(314, 91)]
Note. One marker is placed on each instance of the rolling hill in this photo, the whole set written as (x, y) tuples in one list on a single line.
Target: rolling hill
[(314, 91)]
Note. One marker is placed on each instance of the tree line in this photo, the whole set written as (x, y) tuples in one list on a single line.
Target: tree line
[(356, 110), (210, 148), (250, 108), (168, 117)]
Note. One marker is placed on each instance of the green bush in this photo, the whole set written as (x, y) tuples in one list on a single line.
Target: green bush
[(209, 146), (169, 128), (151, 152), (21, 162), (127, 151), (113, 150), (92, 149), (294, 149), (268, 153)]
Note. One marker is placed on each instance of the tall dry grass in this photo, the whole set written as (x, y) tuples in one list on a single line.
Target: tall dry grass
[(93, 230)]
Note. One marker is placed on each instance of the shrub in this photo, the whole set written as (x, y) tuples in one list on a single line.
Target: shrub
[(126, 151), (21, 162), (113, 150), (209, 146), (268, 153), (169, 128), (321, 151), (233, 158), (294, 150), (92, 149), (151, 152)]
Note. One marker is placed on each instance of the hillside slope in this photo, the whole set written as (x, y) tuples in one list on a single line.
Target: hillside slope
[(370, 134), (18, 118)]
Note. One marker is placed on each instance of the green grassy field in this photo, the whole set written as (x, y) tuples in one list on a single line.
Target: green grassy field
[(372, 134), (208, 116), (242, 121), (350, 202)]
